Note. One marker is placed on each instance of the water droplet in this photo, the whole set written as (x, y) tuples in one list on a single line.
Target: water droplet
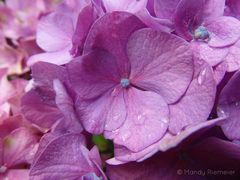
[(165, 120), (150, 136), (221, 112), (126, 136), (237, 104), (202, 76), (115, 131)]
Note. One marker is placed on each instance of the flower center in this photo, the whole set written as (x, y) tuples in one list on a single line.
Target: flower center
[(3, 169), (201, 33), (125, 82)]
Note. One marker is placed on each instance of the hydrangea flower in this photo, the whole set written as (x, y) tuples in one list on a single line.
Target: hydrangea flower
[(215, 37), (135, 80), (153, 83), (49, 103), (61, 34)]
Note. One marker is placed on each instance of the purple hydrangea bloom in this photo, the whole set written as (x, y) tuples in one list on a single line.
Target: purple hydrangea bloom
[(66, 157), (215, 37), (49, 103), (127, 80), (62, 33)]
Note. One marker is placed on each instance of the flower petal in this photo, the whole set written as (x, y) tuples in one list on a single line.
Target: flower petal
[(146, 122), (168, 142), (54, 32), (229, 104), (233, 58), (198, 99), (111, 33), (124, 5), (64, 158), (188, 16), (214, 8), (93, 74), (160, 62), (165, 9), (212, 56), (107, 112), (224, 31), (58, 57)]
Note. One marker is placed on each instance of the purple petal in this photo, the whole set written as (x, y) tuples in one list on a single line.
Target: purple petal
[(165, 9), (199, 99), (84, 22), (153, 22), (214, 8), (188, 16), (224, 31), (220, 71), (147, 113), (64, 157), (39, 109), (54, 32), (233, 57), (44, 74), (58, 57), (166, 63), (182, 162), (111, 33), (101, 114), (38, 105), (124, 5), (229, 104), (233, 8), (93, 74), (169, 141), (212, 56), (65, 104)]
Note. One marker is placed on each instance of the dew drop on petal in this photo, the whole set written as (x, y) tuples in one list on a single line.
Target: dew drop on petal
[(126, 136), (237, 104), (202, 76), (165, 120), (221, 112), (141, 118)]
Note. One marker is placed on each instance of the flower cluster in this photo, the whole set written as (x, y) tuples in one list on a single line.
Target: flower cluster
[(119, 89)]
